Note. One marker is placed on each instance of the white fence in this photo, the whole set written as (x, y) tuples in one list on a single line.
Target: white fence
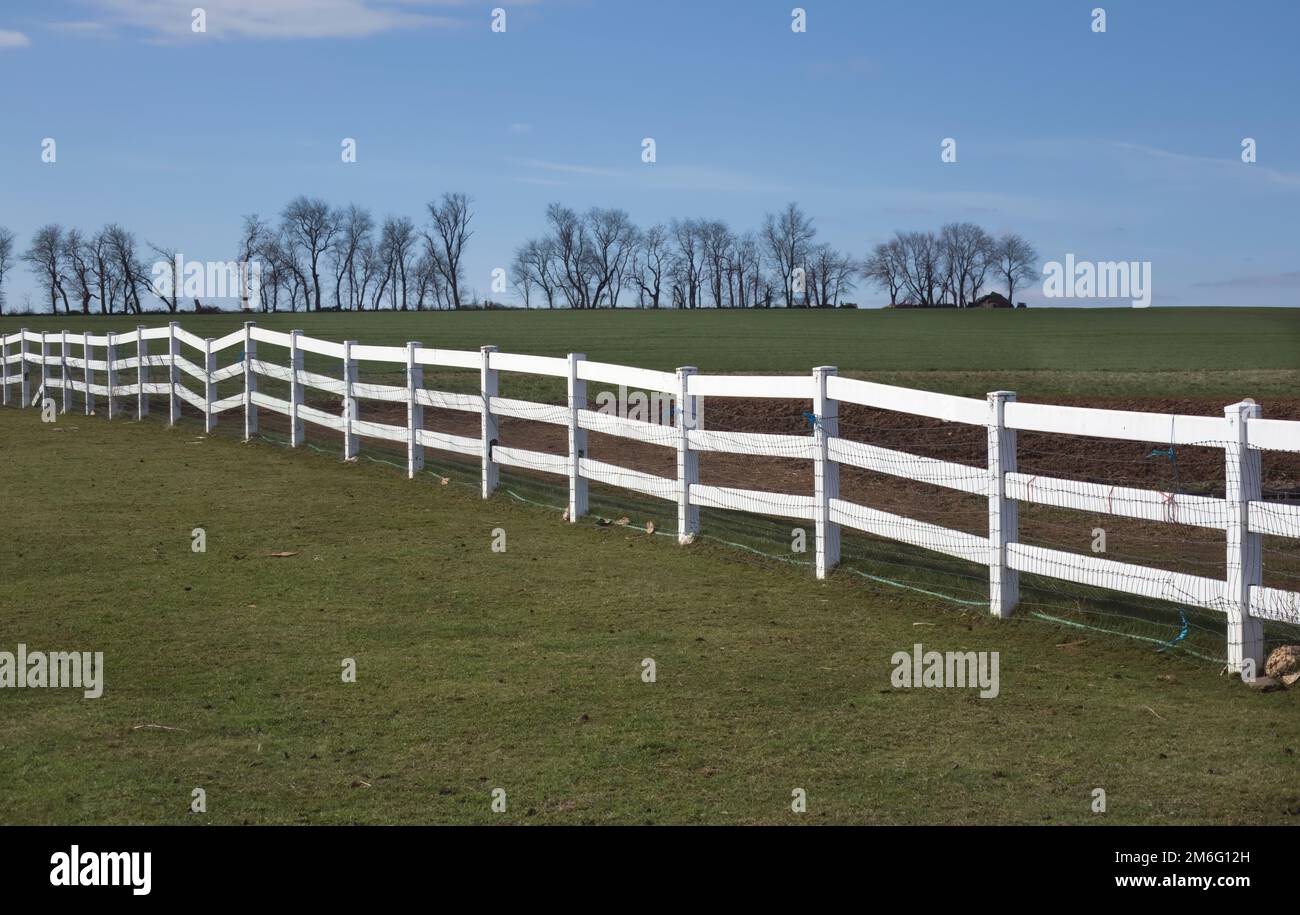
[(126, 370)]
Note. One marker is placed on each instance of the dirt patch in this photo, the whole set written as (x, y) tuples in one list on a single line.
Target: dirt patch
[(1198, 551), (1148, 465)]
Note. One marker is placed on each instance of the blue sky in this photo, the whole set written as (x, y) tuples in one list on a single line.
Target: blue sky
[(1117, 146)]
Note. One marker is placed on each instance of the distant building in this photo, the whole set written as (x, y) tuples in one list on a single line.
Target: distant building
[(992, 300)]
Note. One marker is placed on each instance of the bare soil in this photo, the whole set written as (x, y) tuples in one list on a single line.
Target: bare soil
[(1143, 465)]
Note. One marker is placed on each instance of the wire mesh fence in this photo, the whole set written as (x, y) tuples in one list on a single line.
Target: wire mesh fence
[(1106, 533)]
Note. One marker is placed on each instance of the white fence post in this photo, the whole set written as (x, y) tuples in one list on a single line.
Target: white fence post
[(688, 461), (173, 375), (826, 473), (297, 433), (24, 386), (209, 386), (4, 369), (577, 440), (1245, 563), (489, 383), (142, 353), (110, 376), (63, 372), (1004, 514), (351, 445), (250, 382), (414, 412), (45, 375), (89, 373)]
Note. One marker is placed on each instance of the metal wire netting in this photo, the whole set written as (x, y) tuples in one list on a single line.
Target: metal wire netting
[(932, 580)]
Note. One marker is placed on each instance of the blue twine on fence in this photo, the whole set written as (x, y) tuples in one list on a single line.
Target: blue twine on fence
[(1172, 454), (1181, 635)]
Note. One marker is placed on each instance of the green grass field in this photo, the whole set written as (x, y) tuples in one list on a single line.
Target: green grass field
[(522, 670), (1221, 352)]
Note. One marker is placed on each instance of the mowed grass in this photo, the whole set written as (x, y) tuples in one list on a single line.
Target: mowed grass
[(522, 670), (1217, 352)]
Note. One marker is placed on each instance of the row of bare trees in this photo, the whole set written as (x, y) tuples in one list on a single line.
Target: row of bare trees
[(311, 251), (949, 267), (77, 269), (317, 253), (594, 259), (317, 256)]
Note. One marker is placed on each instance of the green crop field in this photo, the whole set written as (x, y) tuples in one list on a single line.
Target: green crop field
[(522, 670), (1215, 352)]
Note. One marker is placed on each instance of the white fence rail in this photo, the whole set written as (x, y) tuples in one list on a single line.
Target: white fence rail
[(45, 362)]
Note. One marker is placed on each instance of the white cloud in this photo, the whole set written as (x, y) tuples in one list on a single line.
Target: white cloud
[(171, 20), (13, 39)]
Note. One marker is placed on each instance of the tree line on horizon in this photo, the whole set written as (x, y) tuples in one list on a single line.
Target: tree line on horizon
[(317, 257)]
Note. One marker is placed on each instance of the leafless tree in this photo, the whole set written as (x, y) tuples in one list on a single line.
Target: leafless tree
[(830, 274), (716, 243), (650, 263), (6, 261), (885, 267), (284, 271), (253, 233), (381, 269), (688, 262), (45, 257), (787, 236), (573, 253), (107, 280), (747, 266), (922, 267), (130, 270), (966, 253), (167, 256), (521, 277), (838, 279), (612, 238), (397, 242), (536, 264), (820, 269), (79, 260), (355, 228), (309, 227), (1015, 260), (425, 280), (450, 217)]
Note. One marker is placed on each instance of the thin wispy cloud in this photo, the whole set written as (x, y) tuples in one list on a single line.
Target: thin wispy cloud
[(1228, 167), (661, 176), (84, 28), (591, 171), (540, 182), (172, 20), (13, 39)]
